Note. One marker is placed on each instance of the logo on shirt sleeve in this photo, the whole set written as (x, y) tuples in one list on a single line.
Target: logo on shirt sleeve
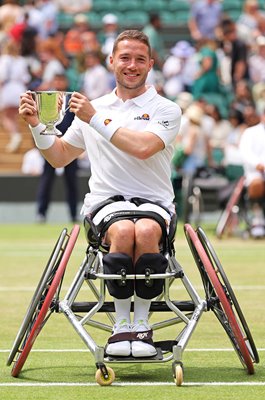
[(107, 121), (165, 124)]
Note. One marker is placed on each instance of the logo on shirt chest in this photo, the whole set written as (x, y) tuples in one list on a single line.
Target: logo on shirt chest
[(144, 117)]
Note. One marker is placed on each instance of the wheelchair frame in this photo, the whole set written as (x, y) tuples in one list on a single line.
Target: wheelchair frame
[(234, 213), (219, 298)]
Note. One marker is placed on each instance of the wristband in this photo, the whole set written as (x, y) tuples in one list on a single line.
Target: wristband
[(42, 141), (106, 127)]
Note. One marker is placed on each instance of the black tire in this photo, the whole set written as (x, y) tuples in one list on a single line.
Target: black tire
[(45, 299), (219, 300)]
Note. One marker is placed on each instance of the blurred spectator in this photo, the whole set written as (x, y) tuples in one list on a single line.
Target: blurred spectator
[(205, 17), (242, 96), (191, 150), (232, 156), (73, 42), (207, 78), (153, 31), (221, 129), (179, 69), (14, 78), (29, 52), (53, 62), (74, 7), (236, 50), (95, 78), (11, 12), (258, 92), (248, 22), (109, 33), (32, 163), (252, 147), (257, 61), (46, 182), (34, 15)]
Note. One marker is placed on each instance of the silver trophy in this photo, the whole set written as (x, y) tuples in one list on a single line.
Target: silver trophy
[(52, 106)]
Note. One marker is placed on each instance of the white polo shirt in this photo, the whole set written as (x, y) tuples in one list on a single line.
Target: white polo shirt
[(252, 149), (116, 172)]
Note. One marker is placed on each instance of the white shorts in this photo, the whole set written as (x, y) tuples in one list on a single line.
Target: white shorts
[(126, 206)]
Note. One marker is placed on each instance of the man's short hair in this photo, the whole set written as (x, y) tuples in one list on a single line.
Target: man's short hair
[(132, 34)]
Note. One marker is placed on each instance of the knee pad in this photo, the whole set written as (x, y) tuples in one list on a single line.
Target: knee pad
[(150, 263), (120, 264)]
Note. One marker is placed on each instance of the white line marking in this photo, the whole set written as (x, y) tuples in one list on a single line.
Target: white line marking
[(32, 289), (86, 350), (50, 384)]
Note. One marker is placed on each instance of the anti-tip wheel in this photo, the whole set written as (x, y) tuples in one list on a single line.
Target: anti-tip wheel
[(178, 376), (102, 380)]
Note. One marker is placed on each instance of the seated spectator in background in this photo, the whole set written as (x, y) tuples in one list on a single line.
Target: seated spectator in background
[(205, 17), (14, 78), (242, 96), (73, 7), (258, 93), (11, 12), (252, 147), (53, 62), (221, 129), (257, 61), (32, 162), (73, 40), (108, 34), (179, 69), (95, 80), (233, 161), (192, 142), (248, 23)]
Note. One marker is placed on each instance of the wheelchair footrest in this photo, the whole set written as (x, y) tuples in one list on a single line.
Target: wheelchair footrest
[(157, 357)]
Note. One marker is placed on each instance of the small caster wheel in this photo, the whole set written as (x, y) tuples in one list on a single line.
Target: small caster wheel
[(102, 380), (178, 374)]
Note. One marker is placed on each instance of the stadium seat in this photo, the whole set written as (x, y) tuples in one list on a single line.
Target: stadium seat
[(154, 5), (65, 21), (104, 5), (178, 5), (129, 5), (134, 19)]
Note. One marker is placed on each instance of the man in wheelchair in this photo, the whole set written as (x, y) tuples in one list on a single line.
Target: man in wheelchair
[(129, 137)]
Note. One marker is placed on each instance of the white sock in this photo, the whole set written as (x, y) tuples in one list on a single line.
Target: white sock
[(141, 308), (122, 309)]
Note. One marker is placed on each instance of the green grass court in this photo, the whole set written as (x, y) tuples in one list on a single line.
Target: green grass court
[(59, 365)]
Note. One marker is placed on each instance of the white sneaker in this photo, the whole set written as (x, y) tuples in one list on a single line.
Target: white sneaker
[(120, 347), (140, 348)]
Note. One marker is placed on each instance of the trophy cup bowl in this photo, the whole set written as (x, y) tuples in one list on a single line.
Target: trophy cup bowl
[(52, 106)]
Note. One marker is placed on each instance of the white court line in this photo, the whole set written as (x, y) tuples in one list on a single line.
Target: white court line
[(32, 289), (79, 384), (87, 350)]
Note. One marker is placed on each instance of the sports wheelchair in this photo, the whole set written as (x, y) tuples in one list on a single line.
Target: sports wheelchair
[(218, 297)]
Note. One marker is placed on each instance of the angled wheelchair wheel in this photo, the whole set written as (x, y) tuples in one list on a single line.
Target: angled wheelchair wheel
[(229, 218), (221, 299), (44, 300)]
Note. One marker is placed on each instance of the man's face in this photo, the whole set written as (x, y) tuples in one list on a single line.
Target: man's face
[(131, 63)]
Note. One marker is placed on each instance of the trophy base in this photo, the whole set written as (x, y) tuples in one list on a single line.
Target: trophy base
[(51, 132)]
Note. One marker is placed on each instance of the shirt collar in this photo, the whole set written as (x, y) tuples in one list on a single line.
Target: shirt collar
[(139, 100)]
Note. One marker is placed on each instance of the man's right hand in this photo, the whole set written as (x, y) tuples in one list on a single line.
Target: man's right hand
[(28, 109)]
